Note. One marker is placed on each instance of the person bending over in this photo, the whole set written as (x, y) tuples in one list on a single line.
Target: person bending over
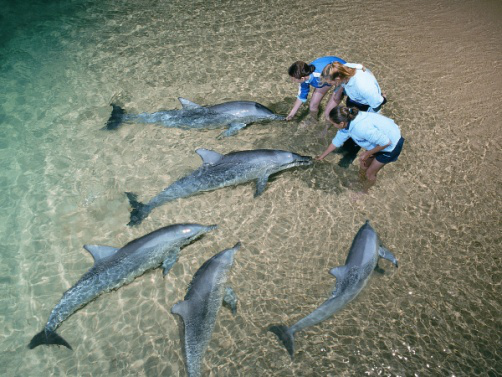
[(377, 134), (308, 75)]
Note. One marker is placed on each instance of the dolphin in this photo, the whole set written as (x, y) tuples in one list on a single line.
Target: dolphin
[(235, 114), (115, 267), (219, 171), (200, 307), (351, 278)]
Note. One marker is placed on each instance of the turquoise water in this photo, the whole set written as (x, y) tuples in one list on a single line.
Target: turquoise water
[(62, 182)]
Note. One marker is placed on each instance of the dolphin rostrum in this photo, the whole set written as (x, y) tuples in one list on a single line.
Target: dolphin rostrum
[(235, 114), (115, 267), (219, 171), (203, 300), (351, 278)]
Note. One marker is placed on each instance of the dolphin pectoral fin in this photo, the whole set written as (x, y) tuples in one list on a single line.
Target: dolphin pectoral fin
[(232, 129), (261, 183), (169, 262), (208, 156), (99, 252), (285, 336), (386, 254), (230, 300), (188, 104)]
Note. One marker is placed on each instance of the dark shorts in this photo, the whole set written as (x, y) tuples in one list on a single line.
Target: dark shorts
[(386, 157), (351, 103)]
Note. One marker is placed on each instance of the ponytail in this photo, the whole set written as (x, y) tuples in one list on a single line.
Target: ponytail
[(336, 70), (344, 114), (300, 69)]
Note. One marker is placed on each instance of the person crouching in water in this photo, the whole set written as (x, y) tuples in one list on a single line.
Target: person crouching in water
[(361, 89), (357, 83), (377, 134), (308, 75)]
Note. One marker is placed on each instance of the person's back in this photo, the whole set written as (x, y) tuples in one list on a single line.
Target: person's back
[(370, 129)]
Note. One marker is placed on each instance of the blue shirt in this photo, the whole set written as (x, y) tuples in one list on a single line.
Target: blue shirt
[(370, 130), (363, 87), (314, 77)]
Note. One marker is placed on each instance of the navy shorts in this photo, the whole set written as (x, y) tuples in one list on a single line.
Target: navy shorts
[(386, 157)]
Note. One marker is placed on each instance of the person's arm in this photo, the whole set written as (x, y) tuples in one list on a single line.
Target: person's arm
[(366, 154), (334, 100), (294, 110), (328, 150)]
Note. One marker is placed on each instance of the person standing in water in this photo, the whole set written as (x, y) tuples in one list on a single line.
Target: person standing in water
[(357, 83), (362, 91), (307, 75), (378, 135)]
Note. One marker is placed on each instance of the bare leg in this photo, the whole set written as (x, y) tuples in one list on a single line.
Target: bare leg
[(368, 172), (316, 99)]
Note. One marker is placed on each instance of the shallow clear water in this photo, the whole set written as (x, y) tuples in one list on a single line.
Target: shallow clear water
[(63, 178)]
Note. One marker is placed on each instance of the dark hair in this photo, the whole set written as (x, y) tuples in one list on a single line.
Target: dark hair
[(341, 114), (300, 69)]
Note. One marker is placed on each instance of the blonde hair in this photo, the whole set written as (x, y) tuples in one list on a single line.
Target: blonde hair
[(336, 70)]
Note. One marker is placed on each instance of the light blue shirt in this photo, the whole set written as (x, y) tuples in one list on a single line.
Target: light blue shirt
[(315, 77), (370, 130), (363, 87)]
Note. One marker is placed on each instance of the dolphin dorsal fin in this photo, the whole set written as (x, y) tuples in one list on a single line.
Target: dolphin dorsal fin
[(188, 104), (208, 156), (181, 308), (338, 272), (99, 252)]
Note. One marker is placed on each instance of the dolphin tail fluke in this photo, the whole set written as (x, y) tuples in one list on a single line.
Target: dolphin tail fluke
[(116, 118), (48, 338), (139, 210), (285, 336)]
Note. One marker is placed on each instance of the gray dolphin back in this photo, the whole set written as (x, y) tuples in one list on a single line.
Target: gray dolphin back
[(351, 278), (115, 267), (219, 171), (201, 305), (234, 114)]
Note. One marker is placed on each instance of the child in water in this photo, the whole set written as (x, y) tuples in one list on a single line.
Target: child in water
[(307, 75), (377, 134)]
